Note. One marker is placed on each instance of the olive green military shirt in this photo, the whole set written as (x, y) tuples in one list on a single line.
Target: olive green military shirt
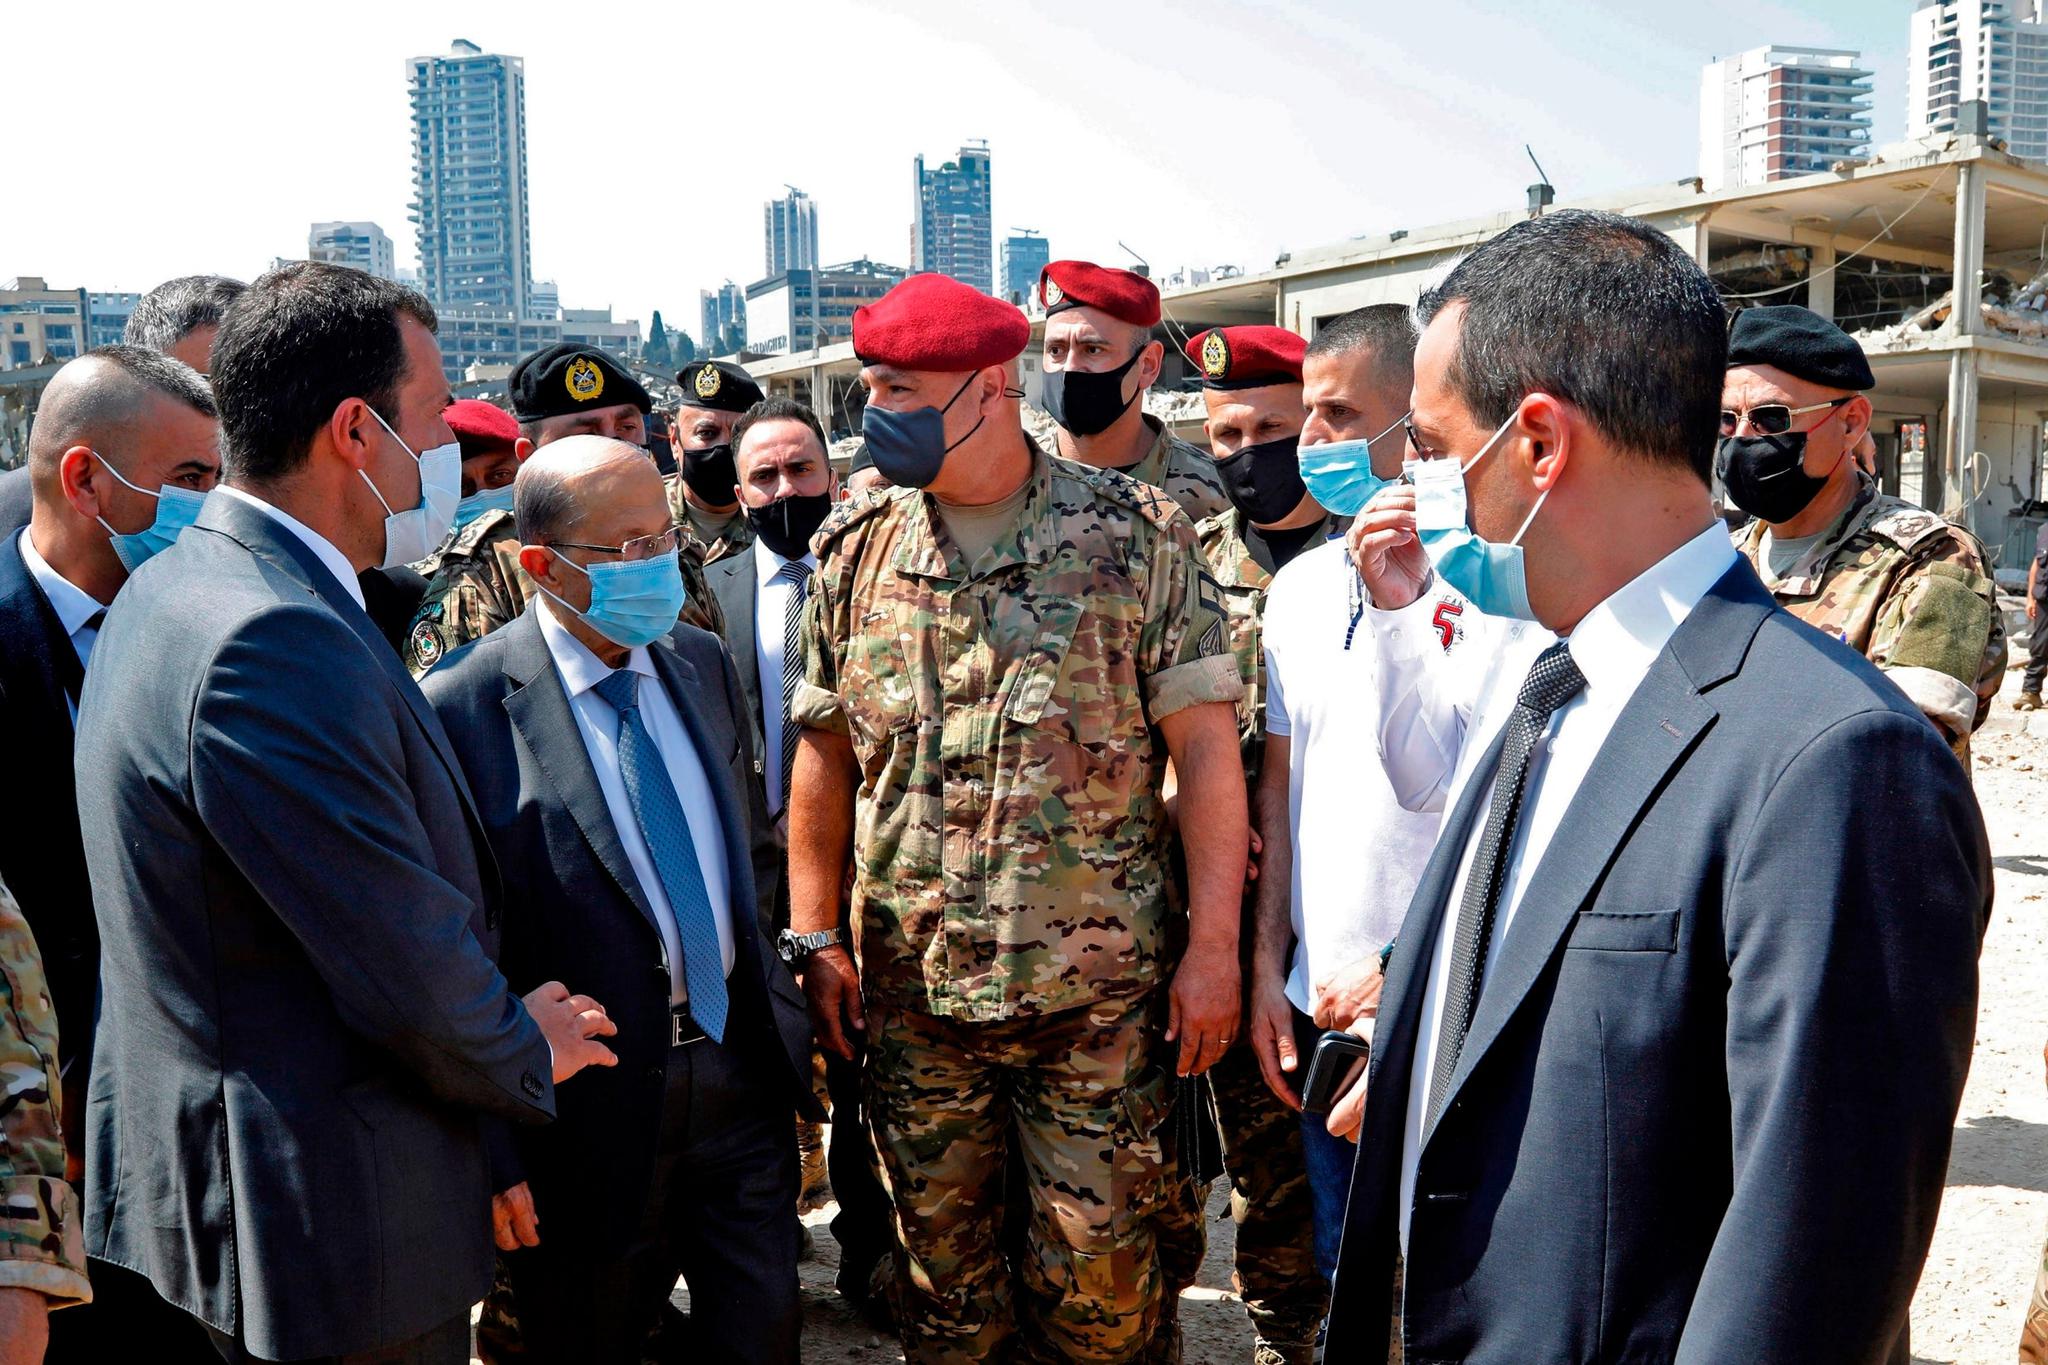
[(1009, 835), (1908, 591), (737, 535)]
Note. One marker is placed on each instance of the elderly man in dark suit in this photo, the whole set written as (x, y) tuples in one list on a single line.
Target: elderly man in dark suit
[(305, 1044), (610, 754), (1669, 1051)]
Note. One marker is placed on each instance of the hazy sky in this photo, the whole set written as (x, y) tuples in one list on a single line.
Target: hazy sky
[(155, 140)]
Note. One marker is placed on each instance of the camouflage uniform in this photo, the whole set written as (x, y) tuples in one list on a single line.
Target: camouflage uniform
[(1009, 887), (1183, 472), (475, 585), (736, 537), (42, 1236), (1269, 1196), (1908, 591)]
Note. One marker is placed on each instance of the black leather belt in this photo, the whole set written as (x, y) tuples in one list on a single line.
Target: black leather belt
[(682, 1029)]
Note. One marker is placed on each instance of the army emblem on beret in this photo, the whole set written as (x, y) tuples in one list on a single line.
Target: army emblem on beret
[(426, 645), (584, 380), (1215, 354), (1053, 293), (707, 381)]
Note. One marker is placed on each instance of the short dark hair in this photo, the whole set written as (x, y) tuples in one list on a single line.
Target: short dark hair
[(1385, 330), (171, 377), (1605, 312), (778, 410), (303, 339), (172, 311)]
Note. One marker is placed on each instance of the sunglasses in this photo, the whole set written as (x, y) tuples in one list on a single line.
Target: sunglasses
[(1773, 419)]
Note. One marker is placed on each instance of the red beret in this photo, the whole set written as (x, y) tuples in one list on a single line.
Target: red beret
[(932, 322), (481, 428), (1247, 357), (1125, 296)]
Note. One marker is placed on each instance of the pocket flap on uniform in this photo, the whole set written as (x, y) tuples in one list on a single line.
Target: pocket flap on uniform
[(1626, 931)]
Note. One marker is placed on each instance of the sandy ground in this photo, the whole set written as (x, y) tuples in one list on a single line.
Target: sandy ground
[(1987, 1245)]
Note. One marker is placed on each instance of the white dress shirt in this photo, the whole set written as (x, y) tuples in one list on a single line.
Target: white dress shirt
[(771, 608), (1613, 647), (322, 548), (75, 607), (1357, 853), (580, 671)]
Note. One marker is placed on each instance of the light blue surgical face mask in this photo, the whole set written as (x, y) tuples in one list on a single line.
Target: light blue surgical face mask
[(1490, 575), (633, 602), (477, 504), (176, 508), (1339, 473)]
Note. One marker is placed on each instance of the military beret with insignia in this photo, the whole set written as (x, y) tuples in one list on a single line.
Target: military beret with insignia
[(1802, 343), (718, 384), (1123, 294), (1247, 357), (935, 323), (567, 378), (480, 428)]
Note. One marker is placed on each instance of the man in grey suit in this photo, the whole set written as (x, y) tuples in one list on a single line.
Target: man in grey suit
[(1672, 1037), (611, 759), (304, 1042)]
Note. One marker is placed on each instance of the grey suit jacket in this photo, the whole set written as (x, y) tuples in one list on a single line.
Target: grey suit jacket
[(303, 1031), (575, 911), (1703, 1111)]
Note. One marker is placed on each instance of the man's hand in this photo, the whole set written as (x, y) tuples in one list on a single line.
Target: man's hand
[(1385, 550), (1352, 994), (24, 1326), (832, 986), (1272, 1026), (1251, 863), (1202, 1007), (513, 1222), (1347, 1115), (571, 1024), (2033, 608)]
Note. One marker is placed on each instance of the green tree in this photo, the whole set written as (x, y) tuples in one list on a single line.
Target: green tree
[(658, 350), (681, 349)]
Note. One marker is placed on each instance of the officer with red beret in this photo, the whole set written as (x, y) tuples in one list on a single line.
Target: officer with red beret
[(1251, 385), (1001, 654), (1099, 359)]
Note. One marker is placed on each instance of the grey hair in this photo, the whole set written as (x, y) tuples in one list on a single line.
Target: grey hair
[(172, 311), (543, 508)]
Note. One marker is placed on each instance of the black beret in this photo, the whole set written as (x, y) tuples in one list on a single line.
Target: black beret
[(862, 459), (718, 384), (1803, 344), (567, 378)]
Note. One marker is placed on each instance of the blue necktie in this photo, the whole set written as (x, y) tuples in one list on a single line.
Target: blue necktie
[(675, 853)]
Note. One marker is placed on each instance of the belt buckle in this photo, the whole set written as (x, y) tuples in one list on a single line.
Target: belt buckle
[(682, 1029)]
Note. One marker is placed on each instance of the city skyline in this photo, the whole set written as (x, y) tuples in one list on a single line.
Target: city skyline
[(1191, 164)]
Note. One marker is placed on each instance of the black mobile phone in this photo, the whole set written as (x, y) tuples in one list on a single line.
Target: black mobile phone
[(1331, 1066)]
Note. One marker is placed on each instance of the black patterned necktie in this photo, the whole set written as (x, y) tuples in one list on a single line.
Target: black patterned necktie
[(798, 577), (1553, 681)]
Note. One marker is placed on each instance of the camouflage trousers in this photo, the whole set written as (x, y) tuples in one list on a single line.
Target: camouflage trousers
[(1269, 1201), (1085, 1095), (2034, 1335)]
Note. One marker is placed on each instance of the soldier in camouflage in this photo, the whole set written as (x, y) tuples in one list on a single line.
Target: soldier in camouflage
[(703, 492), (1002, 653), (1892, 580), (42, 1238), (474, 582)]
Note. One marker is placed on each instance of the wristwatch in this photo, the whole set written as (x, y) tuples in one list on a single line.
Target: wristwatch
[(790, 947)]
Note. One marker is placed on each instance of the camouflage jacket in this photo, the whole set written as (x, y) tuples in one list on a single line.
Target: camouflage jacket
[(737, 536), (475, 585), (1244, 582), (42, 1237), (1009, 834), (1184, 473), (1911, 593)]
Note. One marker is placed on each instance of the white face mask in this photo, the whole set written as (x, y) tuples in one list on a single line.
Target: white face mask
[(415, 534)]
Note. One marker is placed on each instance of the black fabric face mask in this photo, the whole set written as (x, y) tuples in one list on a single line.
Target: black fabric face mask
[(711, 474), (1088, 404), (1766, 475), (787, 524), (1264, 480)]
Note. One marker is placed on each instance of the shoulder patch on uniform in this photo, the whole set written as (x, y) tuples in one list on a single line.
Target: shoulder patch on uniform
[(424, 646), (486, 529)]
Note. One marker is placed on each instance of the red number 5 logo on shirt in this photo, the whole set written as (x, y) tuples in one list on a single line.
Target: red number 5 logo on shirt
[(1446, 621)]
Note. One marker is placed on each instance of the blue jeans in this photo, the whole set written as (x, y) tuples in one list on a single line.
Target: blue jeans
[(1329, 1161)]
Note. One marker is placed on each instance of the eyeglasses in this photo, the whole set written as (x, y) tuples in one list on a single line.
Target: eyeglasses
[(1417, 447), (1773, 419), (640, 547)]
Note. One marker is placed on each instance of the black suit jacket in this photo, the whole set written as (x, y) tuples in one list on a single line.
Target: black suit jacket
[(734, 583), (1703, 1111), (42, 859), (576, 913), (303, 1030)]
